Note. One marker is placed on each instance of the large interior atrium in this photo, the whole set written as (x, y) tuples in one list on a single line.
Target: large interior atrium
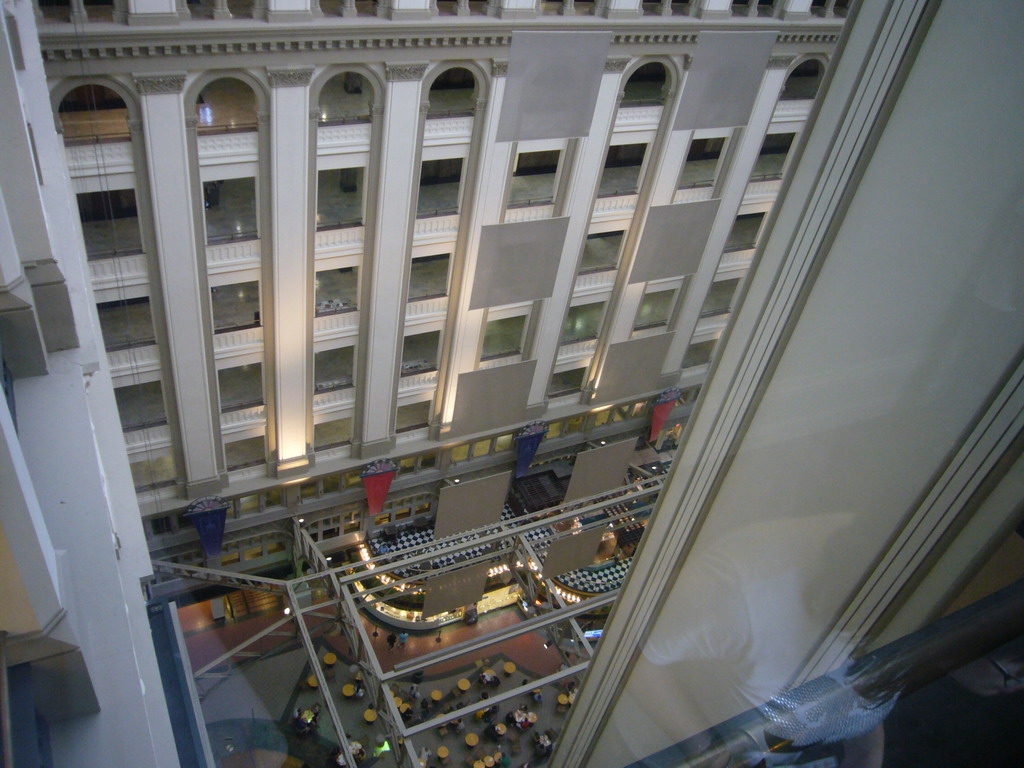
[(506, 383)]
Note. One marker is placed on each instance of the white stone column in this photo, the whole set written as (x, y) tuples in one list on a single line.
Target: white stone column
[(291, 257), (382, 308), (483, 206), (747, 144), (587, 167), (153, 12), (182, 278)]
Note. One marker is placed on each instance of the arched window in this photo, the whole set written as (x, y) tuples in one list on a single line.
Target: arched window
[(453, 94), (346, 98), (226, 105), (646, 86), (93, 113), (803, 81)]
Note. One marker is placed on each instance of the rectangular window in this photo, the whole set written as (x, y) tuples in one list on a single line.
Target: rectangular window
[(699, 354), (744, 232), (339, 198), (230, 210), (126, 323), (503, 337), (582, 323), (701, 166), (141, 405), (601, 252), (654, 309), (419, 353), (332, 369), (249, 452), (110, 223), (330, 434), (533, 179), (772, 157), (460, 453), (240, 387), (621, 173), (336, 291), (235, 306), (439, 187), (428, 277), (719, 298), (414, 416), (565, 383)]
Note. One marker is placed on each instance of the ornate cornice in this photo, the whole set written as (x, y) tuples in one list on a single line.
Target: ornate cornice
[(499, 68), (283, 78), (780, 62), (405, 71), (615, 65), (168, 83)]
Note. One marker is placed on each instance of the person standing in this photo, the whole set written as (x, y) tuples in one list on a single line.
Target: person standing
[(391, 641), (402, 637)]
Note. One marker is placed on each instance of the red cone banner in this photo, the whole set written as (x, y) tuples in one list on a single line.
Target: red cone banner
[(377, 479)]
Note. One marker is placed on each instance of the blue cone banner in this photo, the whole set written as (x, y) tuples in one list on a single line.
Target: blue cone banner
[(528, 440), (208, 515)]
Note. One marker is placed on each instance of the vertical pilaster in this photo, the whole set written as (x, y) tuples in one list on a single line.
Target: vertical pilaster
[(182, 278), (742, 155), (588, 164), (291, 258), (382, 308)]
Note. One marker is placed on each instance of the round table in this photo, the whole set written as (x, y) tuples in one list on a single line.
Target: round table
[(330, 659), (463, 684), (472, 739), (370, 715), (312, 682), (510, 669), (489, 761), (563, 700), (500, 729), (405, 707), (478, 764), (436, 695), (531, 717), (398, 701), (348, 690), (442, 752)]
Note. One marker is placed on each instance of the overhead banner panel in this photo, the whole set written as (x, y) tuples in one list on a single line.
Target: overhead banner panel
[(454, 590), (552, 84), (632, 367), (471, 504), (673, 240), (572, 552), (491, 398), (517, 262), (725, 73), (599, 469)]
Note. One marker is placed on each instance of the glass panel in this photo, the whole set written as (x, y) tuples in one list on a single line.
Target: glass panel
[(245, 453), (439, 187), (719, 298), (533, 180), (331, 483), (772, 157), (428, 460), (272, 498), (328, 434), (702, 163), (414, 416), (345, 98), (339, 198), (419, 353), (230, 210), (744, 232), (247, 505), (153, 472), (654, 309), (582, 323), (235, 306), (503, 337), (503, 443), (554, 430), (699, 354), (565, 383), (481, 448), (332, 369), (575, 424), (240, 387), (336, 291), (126, 323), (601, 252), (110, 223), (621, 170), (460, 452), (308, 491), (141, 405), (428, 277)]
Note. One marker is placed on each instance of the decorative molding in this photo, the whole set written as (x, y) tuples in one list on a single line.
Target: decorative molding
[(398, 72), (499, 68), (616, 65), (168, 83), (284, 78), (781, 62)]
